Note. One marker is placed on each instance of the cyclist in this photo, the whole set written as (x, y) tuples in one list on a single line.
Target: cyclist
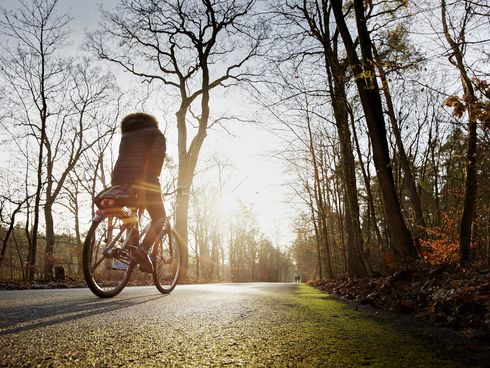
[(138, 167)]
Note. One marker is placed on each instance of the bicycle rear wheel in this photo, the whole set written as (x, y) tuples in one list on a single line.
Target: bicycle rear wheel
[(167, 258), (107, 265)]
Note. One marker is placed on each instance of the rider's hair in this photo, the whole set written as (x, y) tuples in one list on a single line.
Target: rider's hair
[(138, 118)]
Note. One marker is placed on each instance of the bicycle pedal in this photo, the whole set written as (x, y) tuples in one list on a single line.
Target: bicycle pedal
[(119, 266), (111, 252)]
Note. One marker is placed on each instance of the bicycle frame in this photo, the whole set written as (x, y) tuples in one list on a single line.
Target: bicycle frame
[(131, 220), (114, 236)]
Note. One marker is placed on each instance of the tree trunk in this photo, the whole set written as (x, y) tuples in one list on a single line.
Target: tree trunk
[(214, 252), (404, 162), (78, 237), (367, 183), (181, 227), (19, 255), (470, 185), (469, 194), (318, 236), (31, 260), (50, 240), (10, 230), (400, 236), (187, 166), (198, 260), (355, 263), (336, 73), (322, 213)]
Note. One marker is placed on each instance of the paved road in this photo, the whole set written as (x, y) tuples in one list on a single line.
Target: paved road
[(215, 325)]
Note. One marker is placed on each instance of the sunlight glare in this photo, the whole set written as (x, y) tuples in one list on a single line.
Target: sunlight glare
[(227, 206)]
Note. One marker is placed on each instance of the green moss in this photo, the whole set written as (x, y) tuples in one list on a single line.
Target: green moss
[(352, 338)]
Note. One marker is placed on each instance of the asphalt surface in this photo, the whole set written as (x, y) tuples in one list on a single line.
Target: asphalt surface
[(215, 325)]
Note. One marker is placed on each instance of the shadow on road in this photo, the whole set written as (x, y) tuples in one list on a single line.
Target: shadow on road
[(33, 316)]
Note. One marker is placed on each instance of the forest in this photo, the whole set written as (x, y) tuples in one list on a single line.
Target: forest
[(383, 108)]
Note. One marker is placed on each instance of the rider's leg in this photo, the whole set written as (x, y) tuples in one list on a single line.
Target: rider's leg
[(154, 206), (152, 201)]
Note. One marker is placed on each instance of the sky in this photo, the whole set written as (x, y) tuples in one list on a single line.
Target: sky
[(256, 178)]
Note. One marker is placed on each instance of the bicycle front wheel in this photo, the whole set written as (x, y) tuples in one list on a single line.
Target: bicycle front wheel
[(107, 265), (167, 258)]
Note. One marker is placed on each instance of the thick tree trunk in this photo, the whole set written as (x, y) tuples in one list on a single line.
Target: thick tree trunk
[(469, 195), (400, 236), (50, 240), (187, 166), (355, 263), (420, 224), (181, 227), (336, 80)]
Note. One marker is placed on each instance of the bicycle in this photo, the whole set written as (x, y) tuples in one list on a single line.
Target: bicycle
[(113, 236)]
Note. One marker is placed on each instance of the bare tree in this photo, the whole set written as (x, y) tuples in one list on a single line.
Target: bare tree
[(456, 32), (31, 71), (86, 178), (8, 217), (191, 47), (54, 102), (315, 20), (90, 92), (365, 77)]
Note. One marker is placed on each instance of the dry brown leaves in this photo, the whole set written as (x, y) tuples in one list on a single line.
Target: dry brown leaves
[(445, 294)]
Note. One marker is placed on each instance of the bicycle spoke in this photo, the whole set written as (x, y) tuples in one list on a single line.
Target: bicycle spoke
[(166, 262), (106, 269)]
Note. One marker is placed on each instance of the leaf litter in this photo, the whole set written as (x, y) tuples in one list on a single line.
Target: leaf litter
[(448, 295)]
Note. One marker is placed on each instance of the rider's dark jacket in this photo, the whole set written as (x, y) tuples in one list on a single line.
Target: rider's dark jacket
[(141, 151)]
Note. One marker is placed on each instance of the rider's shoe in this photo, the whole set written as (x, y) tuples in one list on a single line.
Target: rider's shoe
[(112, 252), (143, 260)]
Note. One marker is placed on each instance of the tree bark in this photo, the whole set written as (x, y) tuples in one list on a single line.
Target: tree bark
[(400, 236), (187, 166), (50, 241), (420, 224), (31, 260), (355, 263), (336, 80)]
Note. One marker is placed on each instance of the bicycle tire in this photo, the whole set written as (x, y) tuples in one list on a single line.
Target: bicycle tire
[(167, 261), (106, 276)]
